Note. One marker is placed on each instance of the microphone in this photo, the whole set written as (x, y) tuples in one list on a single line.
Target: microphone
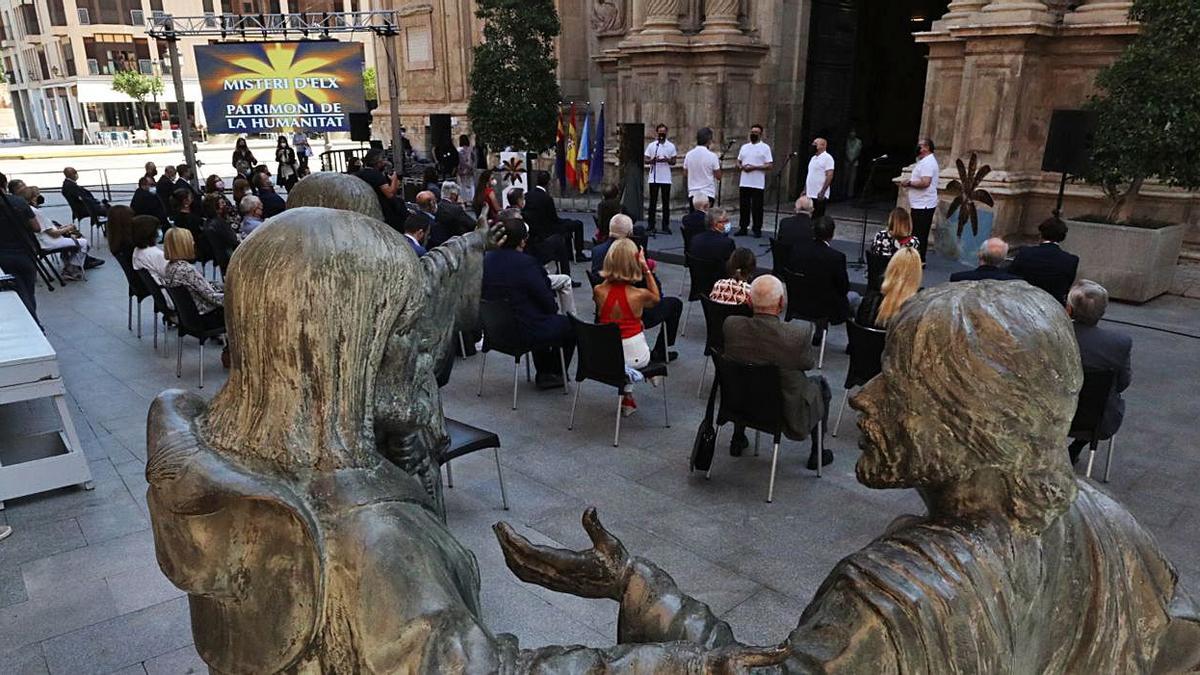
[(879, 158), (794, 154)]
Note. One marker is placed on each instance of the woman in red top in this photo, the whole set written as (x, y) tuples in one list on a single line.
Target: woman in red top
[(622, 303), (485, 197)]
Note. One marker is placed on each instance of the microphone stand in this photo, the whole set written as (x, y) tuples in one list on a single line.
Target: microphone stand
[(779, 193), (866, 207)]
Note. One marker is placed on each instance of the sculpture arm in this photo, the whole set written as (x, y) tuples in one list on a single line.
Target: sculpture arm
[(453, 280)]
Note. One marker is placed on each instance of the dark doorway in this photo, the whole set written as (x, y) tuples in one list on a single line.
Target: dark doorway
[(867, 74)]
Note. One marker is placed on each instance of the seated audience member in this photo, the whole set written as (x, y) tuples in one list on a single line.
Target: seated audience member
[(624, 229), (991, 256), (735, 289), (486, 203), (451, 220), (184, 180), (797, 229), (547, 245), (714, 243), (166, 189), (561, 284), (766, 339), (416, 228), (63, 238), (17, 224), (432, 182), (147, 255), (511, 276), (189, 216), (241, 188), (217, 231), (214, 184), (119, 230), (609, 206), (542, 217), (901, 281), (252, 214), (354, 165), (273, 204), (77, 194), (1046, 265), (669, 309), (180, 251), (386, 183), (694, 222), (621, 302), (427, 206), (1100, 349), (145, 200), (825, 277), (898, 235), (15, 186)]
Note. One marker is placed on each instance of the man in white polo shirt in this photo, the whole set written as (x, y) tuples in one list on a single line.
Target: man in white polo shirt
[(660, 157), (702, 168), (820, 177), (754, 161), (923, 193)]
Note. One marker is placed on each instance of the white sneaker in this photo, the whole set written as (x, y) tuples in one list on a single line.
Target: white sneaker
[(5, 530)]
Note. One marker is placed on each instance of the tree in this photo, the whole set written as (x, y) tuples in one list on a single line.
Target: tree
[(1148, 108), (514, 83), (370, 84), (138, 86)]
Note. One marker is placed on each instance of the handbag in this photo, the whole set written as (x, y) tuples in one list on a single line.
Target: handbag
[(705, 443)]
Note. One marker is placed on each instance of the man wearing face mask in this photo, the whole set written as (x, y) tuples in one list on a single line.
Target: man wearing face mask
[(754, 161), (714, 243), (145, 200), (923, 193), (660, 157), (820, 177)]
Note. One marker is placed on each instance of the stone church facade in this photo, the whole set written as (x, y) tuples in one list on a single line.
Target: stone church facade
[(996, 70)]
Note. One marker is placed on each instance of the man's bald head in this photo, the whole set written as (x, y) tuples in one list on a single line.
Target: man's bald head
[(426, 201), (821, 144), (993, 252), (700, 202), (768, 295), (620, 227), (804, 205)]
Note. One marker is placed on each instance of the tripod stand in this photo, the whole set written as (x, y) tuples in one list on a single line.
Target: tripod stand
[(865, 204)]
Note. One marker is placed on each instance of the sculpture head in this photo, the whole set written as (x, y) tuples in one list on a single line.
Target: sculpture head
[(335, 191), (976, 395)]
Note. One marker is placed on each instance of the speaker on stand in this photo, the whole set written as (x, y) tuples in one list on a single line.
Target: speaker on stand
[(360, 127), (441, 144), (632, 163), (1069, 146)]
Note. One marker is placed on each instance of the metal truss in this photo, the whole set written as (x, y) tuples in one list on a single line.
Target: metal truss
[(256, 26)]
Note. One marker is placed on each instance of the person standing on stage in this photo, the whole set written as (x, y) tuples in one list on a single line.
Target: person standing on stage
[(660, 157), (754, 161), (923, 193), (820, 177), (702, 168)]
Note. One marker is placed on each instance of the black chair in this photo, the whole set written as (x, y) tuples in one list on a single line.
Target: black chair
[(96, 221), (594, 279), (466, 439), (1089, 413), (80, 211), (162, 308), (136, 289), (602, 359), (43, 260), (751, 395), (781, 256), (715, 314), (798, 287), (220, 250), (704, 274), (876, 268), (866, 361), (502, 333), (190, 323)]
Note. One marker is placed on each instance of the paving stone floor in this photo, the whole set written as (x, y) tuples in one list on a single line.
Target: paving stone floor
[(80, 591)]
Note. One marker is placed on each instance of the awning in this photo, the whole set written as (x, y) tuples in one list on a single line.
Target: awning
[(99, 90)]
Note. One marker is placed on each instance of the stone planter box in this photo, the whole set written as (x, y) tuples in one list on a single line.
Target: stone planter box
[(1135, 264)]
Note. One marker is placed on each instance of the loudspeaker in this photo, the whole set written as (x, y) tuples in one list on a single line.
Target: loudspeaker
[(632, 168), (632, 144), (1069, 144), (360, 127), (439, 133)]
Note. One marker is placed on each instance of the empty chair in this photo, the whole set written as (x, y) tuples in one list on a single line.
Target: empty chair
[(189, 323), (715, 314), (466, 439), (136, 289), (704, 274), (602, 359), (501, 333), (1089, 413), (866, 361), (751, 395)]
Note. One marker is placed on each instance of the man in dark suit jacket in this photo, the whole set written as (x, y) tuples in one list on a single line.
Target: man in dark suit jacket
[(542, 217), (77, 194), (184, 180), (451, 220), (146, 203), (1046, 265), (166, 187), (714, 242), (1100, 349), (694, 221), (797, 229), (273, 204), (991, 255), (416, 229), (608, 207), (765, 339), (511, 275), (825, 276), (544, 243)]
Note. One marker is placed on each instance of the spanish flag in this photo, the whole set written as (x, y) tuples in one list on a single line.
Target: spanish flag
[(572, 149)]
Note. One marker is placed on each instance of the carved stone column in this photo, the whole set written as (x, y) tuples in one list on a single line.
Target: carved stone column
[(662, 17), (1017, 11), (721, 16), (958, 13), (1099, 12)]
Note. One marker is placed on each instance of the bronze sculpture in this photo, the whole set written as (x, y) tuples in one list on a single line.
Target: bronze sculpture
[(304, 550)]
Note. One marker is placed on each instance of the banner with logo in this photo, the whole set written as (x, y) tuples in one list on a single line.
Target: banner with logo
[(280, 87)]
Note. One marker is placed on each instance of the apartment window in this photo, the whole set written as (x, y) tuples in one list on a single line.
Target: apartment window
[(68, 52), (111, 53), (156, 6), (250, 6), (110, 11), (58, 13), (45, 65), (315, 6), (3, 23), (30, 19)]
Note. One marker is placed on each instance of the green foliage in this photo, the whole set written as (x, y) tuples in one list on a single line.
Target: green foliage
[(1148, 107), (137, 86), (370, 84), (514, 83)]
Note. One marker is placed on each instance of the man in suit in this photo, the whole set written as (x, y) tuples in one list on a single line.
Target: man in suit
[(273, 204), (544, 241), (766, 339), (146, 203), (184, 180), (1046, 265), (669, 309), (512, 276), (1099, 349), (450, 220), (991, 255), (714, 242), (693, 222), (166, 187), (797, 229), (543, 220), (825, 277), (609, 206), (416, 228), (77, 194)]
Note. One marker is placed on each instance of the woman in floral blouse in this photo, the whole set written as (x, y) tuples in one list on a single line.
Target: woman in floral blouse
[(180, 250), (735, 290), (898, 235)]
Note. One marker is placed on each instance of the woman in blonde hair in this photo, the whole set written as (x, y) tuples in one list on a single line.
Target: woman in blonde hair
[(622, 303), (180, 250), (901, 281), (898, 235)]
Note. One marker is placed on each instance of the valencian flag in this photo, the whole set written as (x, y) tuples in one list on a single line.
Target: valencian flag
[(597, 164), (584, 154), (572, 147), (560, 155)]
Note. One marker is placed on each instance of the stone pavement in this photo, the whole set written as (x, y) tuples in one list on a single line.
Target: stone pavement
[(80, 591)]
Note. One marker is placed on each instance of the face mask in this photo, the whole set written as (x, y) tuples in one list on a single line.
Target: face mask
[(815, 150), (220, 187), (662, 138), (152, 190), (41, 200), (728, 228), (754, 138)]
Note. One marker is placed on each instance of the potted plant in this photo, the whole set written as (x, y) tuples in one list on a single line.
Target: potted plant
[(1147, 128), (967, 198)]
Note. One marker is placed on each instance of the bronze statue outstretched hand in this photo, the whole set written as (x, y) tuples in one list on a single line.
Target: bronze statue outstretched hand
[(599, 572), (738, 658)]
